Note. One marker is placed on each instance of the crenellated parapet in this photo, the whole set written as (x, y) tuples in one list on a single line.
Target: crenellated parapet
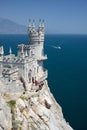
[(1, 51), (36, 36)]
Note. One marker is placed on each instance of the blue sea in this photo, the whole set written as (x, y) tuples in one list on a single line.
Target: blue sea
[(67, 72)]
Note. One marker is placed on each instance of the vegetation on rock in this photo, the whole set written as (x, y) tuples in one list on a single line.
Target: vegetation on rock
[(12, 103)]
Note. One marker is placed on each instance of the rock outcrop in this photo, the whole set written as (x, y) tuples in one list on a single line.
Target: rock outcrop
[(5, 115), (32, 111)]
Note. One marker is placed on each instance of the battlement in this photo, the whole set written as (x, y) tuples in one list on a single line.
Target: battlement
[(36, 35)]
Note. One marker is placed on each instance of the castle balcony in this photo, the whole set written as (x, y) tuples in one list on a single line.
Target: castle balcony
[(43, 57)]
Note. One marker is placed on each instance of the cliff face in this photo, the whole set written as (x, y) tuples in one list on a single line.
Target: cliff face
[(31, 111), (5, 115)]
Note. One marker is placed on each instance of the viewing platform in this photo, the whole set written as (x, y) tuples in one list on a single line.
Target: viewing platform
[(43, 57)]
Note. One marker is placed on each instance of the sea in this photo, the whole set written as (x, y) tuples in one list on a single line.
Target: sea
[(67, 72)]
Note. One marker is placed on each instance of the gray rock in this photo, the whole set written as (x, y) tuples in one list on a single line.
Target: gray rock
[(5, 115), (36, 112)]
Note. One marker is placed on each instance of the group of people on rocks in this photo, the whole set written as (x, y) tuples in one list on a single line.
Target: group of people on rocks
[(36, 83)]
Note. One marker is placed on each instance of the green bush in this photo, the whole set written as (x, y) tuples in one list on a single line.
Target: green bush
[(12, 105)]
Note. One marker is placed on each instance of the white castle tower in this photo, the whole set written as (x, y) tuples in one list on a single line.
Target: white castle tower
[(36, 42), (36, 39)]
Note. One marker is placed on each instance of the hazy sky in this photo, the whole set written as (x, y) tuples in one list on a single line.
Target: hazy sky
[(61, 16)]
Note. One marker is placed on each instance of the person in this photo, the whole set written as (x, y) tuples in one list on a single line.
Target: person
[(33, 80), (32, 87), (36, 82)]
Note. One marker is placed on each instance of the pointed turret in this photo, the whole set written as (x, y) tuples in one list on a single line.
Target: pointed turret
[(22, 52), (33, 24), (2, 51), (42, 25), (29, 25), (10, 51), (39, 25)]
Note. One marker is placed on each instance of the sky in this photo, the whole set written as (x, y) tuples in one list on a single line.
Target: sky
[(61, 16)]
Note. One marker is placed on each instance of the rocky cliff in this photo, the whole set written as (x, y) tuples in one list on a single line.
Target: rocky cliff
[(31, 111)]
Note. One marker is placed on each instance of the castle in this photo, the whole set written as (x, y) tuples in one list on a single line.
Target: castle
[(28, 64)]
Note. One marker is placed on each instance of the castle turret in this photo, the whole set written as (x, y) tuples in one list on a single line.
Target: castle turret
[(41, 25), (2, 52), (33, 25), (10, 51), (36, 39), (36, 43), (1, 58)]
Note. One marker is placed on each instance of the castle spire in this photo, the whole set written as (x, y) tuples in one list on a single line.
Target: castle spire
[(33, 24), (43, 23), (2, 50), (39, 23), (10, 51), (29, 25), (22, 51)]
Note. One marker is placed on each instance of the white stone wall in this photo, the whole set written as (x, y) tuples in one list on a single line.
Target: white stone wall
[(38, 51)]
